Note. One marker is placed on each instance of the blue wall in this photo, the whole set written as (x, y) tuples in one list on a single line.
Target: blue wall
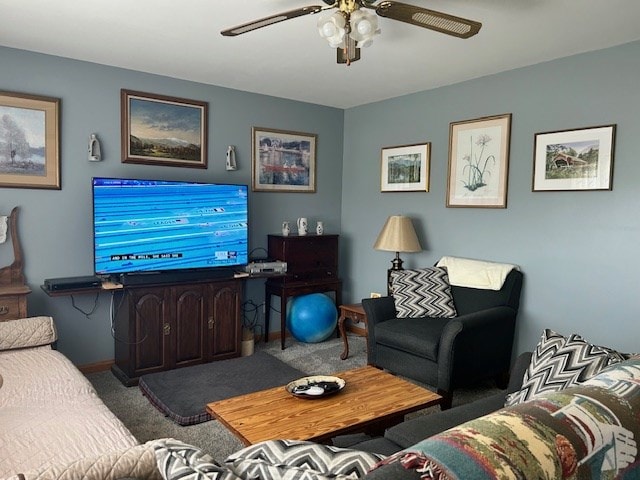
[(578, 250), (55, 225)]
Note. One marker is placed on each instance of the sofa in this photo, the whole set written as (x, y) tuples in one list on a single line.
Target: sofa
[(447, 335), (581, 422)]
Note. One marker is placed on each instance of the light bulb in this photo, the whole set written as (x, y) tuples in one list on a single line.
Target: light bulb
[(329, 29), (364, 27)]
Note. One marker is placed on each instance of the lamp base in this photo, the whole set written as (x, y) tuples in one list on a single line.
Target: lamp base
[(396, 264)]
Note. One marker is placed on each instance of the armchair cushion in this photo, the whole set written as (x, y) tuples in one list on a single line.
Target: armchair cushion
[(422, 292), (418, 336), (559, 362)]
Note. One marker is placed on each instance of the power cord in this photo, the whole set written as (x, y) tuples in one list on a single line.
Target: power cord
[(96, 302)]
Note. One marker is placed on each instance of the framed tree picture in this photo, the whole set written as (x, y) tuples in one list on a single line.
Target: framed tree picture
[(579, 159), (405, 168), (479, 162), (283, 161), (162, 130), (29, 141)]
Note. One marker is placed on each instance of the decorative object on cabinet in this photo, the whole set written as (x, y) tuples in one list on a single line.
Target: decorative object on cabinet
[(578, 159), (163, 130), (283, 161), (479, 162), (13, 287), (397, 235), (312, 267), (29, 141), (405, 168), (163, 327)]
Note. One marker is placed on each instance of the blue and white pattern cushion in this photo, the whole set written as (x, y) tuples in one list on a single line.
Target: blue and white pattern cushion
[(424, 292), (179, 461), (300, 460), (559, 362)]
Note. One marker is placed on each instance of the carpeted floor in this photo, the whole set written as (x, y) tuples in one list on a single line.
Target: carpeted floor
[(147, 423)]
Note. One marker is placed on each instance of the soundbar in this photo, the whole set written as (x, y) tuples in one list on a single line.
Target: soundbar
[(72, 283), (156, 278)]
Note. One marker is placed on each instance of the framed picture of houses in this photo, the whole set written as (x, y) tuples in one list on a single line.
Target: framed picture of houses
[(579, 159), (283, 161)]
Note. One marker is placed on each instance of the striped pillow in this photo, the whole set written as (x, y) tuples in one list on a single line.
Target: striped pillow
[(559, 362), (422, 293)]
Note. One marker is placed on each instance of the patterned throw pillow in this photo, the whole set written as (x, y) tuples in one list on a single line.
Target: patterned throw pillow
[(177, 460), (300, 460), (559, 362), (422, 293)]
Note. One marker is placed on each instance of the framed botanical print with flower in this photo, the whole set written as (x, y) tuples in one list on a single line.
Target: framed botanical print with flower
[(479, 162)]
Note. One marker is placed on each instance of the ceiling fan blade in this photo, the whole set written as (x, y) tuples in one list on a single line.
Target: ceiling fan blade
[(265, 22), (422, 17)]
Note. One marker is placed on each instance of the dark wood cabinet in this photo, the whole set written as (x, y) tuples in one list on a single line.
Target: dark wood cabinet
[(312, 267), (164, 327)]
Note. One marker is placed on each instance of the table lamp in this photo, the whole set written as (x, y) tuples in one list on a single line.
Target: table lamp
[(397, 235)]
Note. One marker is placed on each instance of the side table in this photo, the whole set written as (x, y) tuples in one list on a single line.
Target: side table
[(354, 312)]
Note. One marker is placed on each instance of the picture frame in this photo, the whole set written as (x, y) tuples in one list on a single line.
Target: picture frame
[(479, 162), (163, 130), (29, 141), (405, 168), (577, 159), (283, 161)]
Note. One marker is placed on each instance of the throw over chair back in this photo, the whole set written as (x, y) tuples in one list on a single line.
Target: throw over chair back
[(447, 352)]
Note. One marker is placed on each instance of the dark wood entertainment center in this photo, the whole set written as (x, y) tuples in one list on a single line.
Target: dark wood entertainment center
[(169, 326)]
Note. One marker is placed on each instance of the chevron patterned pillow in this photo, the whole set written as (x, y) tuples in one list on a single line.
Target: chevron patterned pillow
[(422, 292), (559, 362), (177, 460)]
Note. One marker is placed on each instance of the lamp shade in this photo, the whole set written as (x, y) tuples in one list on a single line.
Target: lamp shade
[(398, 235)]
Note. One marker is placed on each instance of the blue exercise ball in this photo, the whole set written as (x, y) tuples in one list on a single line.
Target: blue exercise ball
[(311, 318)]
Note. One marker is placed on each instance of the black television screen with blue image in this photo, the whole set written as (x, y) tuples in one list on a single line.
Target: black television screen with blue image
[(158, 226)]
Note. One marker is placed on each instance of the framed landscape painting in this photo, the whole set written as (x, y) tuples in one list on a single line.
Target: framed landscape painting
[(29, 141), (162, 130), (405, 168), (580, 159), (283, 161), (479, 162)]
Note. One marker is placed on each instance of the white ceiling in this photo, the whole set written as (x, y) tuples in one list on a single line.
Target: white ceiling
[(181, 39)]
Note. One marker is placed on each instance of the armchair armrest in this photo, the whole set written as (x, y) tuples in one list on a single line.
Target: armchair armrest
[(475, 345), (377, 310)]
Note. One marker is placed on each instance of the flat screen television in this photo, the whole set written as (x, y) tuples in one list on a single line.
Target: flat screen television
[(156, 226)]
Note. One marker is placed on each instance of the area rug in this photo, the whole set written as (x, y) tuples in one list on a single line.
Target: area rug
[(183, 393)]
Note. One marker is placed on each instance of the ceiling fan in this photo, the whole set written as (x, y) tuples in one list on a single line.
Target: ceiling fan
[(352, 26)]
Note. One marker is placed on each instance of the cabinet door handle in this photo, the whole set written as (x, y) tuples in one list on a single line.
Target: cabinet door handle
[(167, 329), (211, 323), (4, 310)]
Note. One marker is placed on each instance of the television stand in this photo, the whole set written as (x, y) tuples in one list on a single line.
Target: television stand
[(161, 278)]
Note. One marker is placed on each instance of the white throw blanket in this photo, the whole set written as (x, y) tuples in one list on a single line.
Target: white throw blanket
[(465, 272)]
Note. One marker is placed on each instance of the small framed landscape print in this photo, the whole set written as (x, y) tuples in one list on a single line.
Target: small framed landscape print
[(162, 130), (283, 161), (580, 159), (405, 168), (29, 141), (479, 162)]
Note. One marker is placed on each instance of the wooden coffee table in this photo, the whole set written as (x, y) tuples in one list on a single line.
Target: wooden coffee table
[(371, 401)]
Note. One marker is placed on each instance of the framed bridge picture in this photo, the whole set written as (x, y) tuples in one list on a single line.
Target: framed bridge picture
[(580, 159), (283, 161)]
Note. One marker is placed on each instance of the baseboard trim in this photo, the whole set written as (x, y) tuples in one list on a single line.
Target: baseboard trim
[(96, 367)]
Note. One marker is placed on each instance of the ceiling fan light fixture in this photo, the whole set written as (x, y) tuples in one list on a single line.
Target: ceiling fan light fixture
[(332, 29), (364, 27)]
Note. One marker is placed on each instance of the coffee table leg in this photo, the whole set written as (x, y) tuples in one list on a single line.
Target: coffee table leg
[(345, 352)]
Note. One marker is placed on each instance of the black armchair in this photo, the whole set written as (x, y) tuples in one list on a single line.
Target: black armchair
[(447, 353)]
